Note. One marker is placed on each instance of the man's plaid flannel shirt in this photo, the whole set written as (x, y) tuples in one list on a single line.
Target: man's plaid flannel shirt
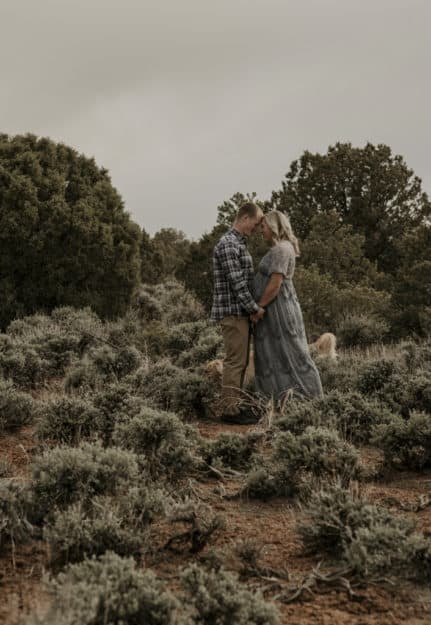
[(233, 277)]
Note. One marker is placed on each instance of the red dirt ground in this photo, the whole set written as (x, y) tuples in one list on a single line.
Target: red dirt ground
[(271, 525)]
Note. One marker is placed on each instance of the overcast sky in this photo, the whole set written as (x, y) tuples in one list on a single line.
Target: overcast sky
[(188, 101)]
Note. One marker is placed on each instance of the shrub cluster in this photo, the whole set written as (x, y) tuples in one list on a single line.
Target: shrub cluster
[(111, 590), (64, 475), (208, 346), (5, 468), (174, 389), (115, 403), (367, 538), (108, 590), (16, 407), (236, 451), (24, 366), (101, 365), (374, 375), (67, 420), (83, 531), (360, 330), (350, 413), (406, 443), (316, 455), (38, 347), (407, 392), (168, 302), (218, 597), (167, 444), (14, 523)]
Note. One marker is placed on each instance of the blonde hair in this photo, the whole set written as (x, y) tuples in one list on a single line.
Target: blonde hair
[(281, 229)]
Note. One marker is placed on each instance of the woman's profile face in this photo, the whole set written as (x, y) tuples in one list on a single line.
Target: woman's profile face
[(266, 230)]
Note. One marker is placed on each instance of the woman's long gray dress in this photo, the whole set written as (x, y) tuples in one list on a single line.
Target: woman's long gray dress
[(281, 354)]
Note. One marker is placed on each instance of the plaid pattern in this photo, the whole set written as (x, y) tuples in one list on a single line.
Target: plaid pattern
[(233, 277)]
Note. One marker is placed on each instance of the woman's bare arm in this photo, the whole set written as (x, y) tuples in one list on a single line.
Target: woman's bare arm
[(270, 293), (271, 289)]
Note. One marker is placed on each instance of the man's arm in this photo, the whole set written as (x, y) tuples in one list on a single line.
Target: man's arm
[(231, 266)]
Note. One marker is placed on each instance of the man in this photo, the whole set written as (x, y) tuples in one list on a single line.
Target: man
[(233, 305)]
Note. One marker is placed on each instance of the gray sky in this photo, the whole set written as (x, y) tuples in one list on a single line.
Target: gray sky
[(188, 101)]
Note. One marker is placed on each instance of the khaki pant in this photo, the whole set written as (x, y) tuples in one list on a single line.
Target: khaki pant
[(236, 337)]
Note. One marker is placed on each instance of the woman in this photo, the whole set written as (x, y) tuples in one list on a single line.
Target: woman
[(282, 359)]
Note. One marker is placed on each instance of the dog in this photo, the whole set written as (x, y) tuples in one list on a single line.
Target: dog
[(214, 370), (324, 346)]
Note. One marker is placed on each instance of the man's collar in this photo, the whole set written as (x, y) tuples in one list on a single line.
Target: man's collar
[(238, 235)]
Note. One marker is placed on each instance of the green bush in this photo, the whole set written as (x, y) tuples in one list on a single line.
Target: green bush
[(334, 516), (14, 524), (207, 347), (82, 377), (146, 304), (24, 366), (101, 365), (178, 304), (315, 456), (60, 350), (42, 346), (198, 518), (337, 375), (407, 392), (416, 355), (406, 443), (360, 330), (64, 475), (67, 420), (366, 538), (183, 336), (166, 442), (143, 503), (218, 598), (127, 360), (168, 301), (232, 450), (16, 408), (82, 322), (267, 482), (154, 335), (374, 375), (5, 468), (65, 237), (174, 389), (26, 328), (350, 413), (385, 549), (108, 591), (115, 403), (79, 532), (319, 452)]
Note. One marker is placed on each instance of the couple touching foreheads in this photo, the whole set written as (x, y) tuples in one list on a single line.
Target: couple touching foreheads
[(267, 302)]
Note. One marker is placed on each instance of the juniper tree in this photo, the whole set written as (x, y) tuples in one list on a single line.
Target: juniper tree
[(65, 237)]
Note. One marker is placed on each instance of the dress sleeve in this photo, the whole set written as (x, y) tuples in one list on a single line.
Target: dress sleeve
[(280, 259)]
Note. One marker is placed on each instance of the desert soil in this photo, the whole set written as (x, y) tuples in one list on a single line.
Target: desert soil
[(272, 525)]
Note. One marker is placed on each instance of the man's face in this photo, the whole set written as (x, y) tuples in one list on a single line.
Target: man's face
[(253, 222)]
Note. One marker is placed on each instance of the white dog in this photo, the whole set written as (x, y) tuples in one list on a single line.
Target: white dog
[(325, 345)]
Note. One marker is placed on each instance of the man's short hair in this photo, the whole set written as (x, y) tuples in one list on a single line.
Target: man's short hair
[(248, 209)]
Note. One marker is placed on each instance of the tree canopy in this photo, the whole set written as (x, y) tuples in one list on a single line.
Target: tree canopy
[(369, 188), (65, 238)]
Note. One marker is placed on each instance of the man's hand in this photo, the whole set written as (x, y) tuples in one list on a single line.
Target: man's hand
[(257, 316)]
